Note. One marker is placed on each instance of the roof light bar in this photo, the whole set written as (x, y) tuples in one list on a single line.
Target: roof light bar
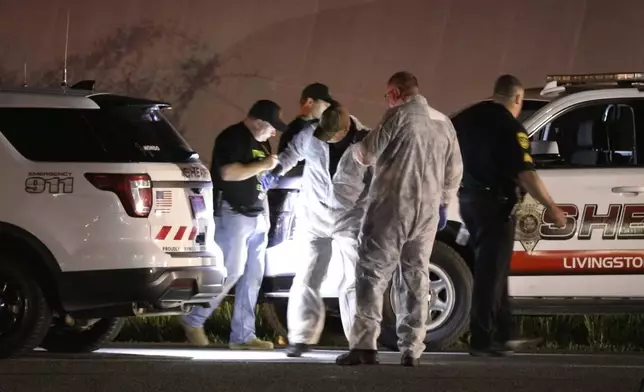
[(622, 77)]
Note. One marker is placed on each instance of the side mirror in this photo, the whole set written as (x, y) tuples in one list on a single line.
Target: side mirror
[(544, 151)]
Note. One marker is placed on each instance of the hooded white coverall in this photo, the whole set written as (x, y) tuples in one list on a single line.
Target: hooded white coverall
[(418, 166), (323, 223)]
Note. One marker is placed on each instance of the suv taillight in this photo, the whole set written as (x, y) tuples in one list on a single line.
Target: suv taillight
[(133, 190)]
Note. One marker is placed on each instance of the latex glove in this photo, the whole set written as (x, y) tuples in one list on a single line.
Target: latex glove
[(268, 181), (442, 213)]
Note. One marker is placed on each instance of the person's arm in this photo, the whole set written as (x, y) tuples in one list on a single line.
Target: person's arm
[(293, 153), (229, 154), (522, 167), (243, 171), (369, 149), (531, 182), (453, 169)]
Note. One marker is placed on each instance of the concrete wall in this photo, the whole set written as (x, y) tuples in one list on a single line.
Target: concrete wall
[(213, 58)]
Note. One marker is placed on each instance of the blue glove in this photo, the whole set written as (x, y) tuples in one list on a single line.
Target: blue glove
[(442, 213), (268, 181)]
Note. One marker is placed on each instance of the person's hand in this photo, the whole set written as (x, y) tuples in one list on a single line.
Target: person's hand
[(268, 181), (270, 162), (442, 214), (556, 215)]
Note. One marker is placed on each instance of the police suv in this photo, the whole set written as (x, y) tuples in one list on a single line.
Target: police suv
[(587, 140), (106, 213)]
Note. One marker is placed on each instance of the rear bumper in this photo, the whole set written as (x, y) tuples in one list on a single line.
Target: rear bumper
[(154, 289)]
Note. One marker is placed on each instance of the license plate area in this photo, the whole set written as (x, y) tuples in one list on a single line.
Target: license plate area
[(198, 206)]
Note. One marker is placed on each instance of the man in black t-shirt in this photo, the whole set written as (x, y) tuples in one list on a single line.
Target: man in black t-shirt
[(241, 161), (497, 168)]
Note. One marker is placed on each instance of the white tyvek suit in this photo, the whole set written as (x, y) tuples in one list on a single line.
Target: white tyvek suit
[(350, 188), (317, 212), (417, 166)]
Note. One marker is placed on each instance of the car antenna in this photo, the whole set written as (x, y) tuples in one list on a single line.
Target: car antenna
[(64, 83), (24, 81)]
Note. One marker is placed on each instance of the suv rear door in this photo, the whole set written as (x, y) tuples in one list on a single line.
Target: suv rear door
[(133, 130)]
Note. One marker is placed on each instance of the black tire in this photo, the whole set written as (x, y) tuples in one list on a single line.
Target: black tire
[(64, 339), (25, 315), (456, 322), (273, 314)]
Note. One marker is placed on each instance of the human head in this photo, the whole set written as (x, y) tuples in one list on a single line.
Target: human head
[(264, 118), (334, 124), (400, 86), (315, 99), (508, 91)]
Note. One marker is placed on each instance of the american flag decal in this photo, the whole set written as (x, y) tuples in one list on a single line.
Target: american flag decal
[(163, 201)]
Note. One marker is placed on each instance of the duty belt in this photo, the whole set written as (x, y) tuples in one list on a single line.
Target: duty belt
[(482, 189)]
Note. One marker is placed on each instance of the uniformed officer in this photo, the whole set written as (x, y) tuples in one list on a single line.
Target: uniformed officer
[(498, 169)]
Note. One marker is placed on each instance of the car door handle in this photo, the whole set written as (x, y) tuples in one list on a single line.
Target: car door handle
[(628, 190)]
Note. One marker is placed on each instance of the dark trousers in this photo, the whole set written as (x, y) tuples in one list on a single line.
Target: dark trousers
[(489, 220)]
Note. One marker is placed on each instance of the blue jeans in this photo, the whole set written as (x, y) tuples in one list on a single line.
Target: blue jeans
[(243, 242)]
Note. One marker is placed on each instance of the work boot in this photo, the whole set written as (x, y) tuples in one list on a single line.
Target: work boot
[(253, 344), (195, 335), (296, 350), (358, 357), (409, 361)]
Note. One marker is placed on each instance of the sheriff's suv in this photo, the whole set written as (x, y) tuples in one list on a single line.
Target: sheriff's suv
[(106, 212), (587, 137)]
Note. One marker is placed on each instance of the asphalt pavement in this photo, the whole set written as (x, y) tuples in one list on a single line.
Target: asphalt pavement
[(175, 369)]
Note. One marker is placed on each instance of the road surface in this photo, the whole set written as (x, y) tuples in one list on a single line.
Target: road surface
[(136, 368)]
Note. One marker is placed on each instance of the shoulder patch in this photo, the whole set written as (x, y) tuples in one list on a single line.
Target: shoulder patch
[(524, 141), (527, 158)]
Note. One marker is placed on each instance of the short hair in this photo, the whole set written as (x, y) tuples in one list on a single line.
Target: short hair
[(506, 87), (404, 81), (334, 119)]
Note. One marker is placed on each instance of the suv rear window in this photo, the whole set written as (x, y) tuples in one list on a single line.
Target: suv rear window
[(125, 133)]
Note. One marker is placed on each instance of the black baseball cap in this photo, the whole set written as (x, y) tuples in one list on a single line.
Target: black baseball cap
[(270, 112), (317, 91)]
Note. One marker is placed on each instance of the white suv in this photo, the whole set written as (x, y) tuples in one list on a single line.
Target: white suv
[(106, 212), (587, 136)]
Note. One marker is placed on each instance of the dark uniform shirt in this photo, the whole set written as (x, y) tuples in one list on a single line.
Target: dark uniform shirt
[(495, 148), (236, 144)]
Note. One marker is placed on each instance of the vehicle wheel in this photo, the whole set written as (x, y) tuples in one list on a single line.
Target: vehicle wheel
[(449, 304), (25, 315), (273, 313), (63, 338)]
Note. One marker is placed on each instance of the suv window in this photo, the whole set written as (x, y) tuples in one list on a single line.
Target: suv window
[(603, 134), (113, 134), (530, 107)]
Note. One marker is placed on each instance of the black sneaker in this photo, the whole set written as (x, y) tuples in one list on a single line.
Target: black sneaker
[(296, 350), (409, 361), (358, 357)]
